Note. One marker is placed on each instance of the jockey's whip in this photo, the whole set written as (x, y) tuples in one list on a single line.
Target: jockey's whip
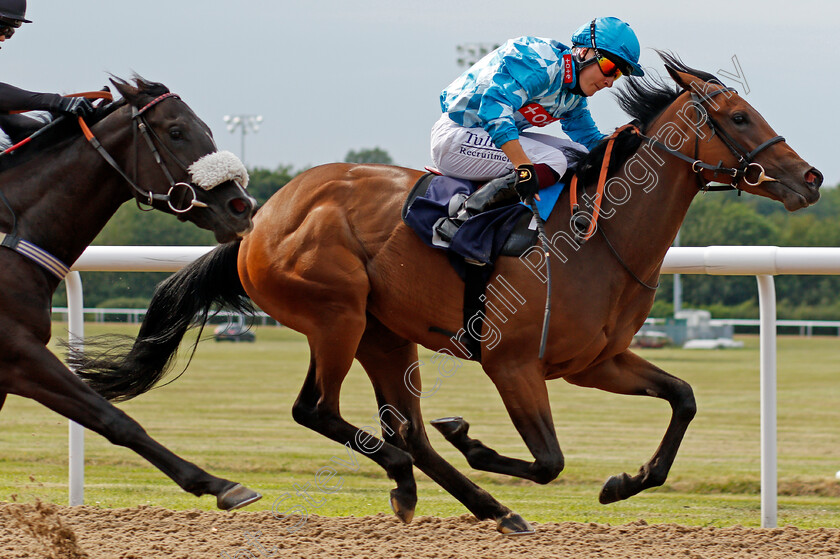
[(544, 242), (105, 93), (34, 135)]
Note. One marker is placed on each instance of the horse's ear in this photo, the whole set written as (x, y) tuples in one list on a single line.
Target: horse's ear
[(683, 79), (128, 91)]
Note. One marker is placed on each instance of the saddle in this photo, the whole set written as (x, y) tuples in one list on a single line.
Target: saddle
[(483, 238), (473, 250)]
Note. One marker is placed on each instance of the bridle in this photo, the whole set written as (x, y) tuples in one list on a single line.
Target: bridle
[(745, 160), (54, 265), (147, 196)]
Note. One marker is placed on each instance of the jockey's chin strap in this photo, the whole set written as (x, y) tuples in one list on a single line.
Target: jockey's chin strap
[(749, 171), (147, 196)]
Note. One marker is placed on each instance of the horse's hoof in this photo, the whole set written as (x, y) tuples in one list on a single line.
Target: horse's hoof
[(611, 492), (237, 497), (403, 505), (512, 524), (450, 426)]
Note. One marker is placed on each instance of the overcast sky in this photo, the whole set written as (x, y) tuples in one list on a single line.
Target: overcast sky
[(335, 75)]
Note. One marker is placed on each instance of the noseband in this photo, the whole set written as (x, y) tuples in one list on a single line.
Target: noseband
[(147, 196)]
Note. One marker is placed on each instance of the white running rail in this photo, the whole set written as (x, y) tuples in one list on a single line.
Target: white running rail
[(763, 262)]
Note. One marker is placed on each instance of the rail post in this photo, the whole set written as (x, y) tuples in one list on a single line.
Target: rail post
[(767, 388), (76, 325)]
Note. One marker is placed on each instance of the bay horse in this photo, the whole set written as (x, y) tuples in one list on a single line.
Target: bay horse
[(57, 193), (330, 258)]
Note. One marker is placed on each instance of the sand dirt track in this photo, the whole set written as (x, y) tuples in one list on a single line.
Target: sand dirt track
[(46, 531)]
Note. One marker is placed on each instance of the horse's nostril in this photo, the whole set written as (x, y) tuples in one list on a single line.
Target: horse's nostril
[(238, 205), (814, 178)]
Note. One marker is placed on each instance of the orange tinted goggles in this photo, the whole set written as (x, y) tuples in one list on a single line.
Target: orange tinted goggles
[(608, 67)]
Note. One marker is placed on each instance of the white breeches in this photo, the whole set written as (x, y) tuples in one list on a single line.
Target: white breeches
[(469, 153)]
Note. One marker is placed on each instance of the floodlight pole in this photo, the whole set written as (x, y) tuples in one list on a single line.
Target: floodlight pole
[(244, 123)]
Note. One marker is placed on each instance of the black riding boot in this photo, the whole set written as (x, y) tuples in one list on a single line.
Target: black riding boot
[(496, 193)]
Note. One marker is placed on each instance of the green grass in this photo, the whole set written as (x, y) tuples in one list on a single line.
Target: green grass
[(230, 413)]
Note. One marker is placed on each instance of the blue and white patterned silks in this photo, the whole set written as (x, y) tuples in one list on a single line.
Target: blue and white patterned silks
[(525, 82)]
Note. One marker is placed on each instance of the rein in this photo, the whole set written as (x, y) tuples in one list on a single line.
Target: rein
[(736, 174), (544, 241), (602, 181)]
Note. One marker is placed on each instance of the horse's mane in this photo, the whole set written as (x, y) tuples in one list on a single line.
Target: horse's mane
[(56, 136), (643, 99)]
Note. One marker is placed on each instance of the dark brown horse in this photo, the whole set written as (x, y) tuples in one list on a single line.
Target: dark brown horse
[(330, 258), (57, 193)]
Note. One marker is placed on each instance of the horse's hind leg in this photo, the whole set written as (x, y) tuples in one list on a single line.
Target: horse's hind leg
[(317, 407), (385, 357), (627, 373), (315, 280), (32, 371)]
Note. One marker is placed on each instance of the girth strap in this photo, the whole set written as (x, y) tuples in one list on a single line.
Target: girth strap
[(475, 282), (40, 256)]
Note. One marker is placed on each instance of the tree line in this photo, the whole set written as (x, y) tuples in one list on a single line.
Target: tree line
[(713, 219), (728, 219)]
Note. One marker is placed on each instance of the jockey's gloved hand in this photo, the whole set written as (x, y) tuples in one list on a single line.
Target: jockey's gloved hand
[(527, 184), (78, 106)]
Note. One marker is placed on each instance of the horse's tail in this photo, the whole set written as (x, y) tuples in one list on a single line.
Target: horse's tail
[(122, 371)]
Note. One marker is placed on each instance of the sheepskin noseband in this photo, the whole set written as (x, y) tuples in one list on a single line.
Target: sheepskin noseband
[(215, 168)]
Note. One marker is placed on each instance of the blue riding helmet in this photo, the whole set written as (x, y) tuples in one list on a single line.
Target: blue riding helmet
[(612, 36)]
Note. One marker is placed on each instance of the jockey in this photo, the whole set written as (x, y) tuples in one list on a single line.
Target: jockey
[(12, 16), (526, 82)]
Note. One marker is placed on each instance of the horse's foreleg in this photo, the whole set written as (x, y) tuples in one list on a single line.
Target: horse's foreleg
[(627, 373), (525, 396), (37, 374), (385, 357)]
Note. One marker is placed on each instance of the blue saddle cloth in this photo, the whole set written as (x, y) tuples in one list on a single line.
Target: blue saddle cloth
[(548, 199), (482, 237)]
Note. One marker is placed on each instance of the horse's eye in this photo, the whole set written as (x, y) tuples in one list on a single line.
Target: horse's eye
[(175, 133), (739, 118)]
